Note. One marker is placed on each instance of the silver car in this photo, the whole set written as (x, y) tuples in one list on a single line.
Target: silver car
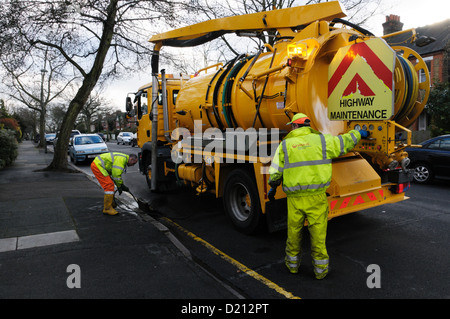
[(86, 147), (124, 138)]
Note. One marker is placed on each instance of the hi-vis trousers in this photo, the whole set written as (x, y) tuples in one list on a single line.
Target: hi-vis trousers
[(315, 209), (105, 181)]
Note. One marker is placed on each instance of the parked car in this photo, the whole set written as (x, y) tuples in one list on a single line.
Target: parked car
[(50, 137), (72, 134), (431, 160), (86, 146), (124, 137), (102, 136)]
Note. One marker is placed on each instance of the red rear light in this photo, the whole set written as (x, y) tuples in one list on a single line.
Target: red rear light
[(401, 188)]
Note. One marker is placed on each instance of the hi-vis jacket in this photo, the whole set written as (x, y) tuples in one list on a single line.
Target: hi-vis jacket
[(302, 161), (112, 164)]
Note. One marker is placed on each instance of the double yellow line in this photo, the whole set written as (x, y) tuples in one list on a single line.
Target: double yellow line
[(236, 263)]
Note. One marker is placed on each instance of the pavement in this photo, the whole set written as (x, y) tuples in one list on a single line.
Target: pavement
[(55, 243)]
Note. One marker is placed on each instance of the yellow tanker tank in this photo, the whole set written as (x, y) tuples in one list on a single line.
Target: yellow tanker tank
[(266, 89)]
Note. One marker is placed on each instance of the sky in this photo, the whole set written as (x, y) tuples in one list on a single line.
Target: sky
[(413, 13)]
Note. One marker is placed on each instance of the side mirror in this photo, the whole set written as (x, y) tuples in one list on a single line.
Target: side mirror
[(128, 104)]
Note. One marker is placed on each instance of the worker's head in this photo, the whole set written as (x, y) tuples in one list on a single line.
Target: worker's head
[(299, 120), (132, 160)]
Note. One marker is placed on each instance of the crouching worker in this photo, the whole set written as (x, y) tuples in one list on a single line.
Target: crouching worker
[(108, 169)]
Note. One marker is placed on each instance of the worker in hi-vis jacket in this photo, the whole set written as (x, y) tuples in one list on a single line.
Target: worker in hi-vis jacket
[(302, 163), (108, 169)]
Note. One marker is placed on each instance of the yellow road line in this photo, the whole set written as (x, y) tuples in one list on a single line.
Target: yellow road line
[(236, 263)]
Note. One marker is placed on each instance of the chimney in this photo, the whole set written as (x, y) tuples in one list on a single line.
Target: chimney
[(392, 24)]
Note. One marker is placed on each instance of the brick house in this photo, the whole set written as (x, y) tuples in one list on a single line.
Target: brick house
[(435, 55)]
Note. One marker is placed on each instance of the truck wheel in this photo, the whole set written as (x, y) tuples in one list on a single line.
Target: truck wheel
[(147, 169), (241, 201)]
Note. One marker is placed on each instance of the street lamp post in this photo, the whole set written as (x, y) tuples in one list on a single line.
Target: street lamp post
[(43, 110)]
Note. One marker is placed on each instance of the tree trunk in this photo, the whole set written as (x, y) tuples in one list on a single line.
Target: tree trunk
[(42, 140), (90, 80)]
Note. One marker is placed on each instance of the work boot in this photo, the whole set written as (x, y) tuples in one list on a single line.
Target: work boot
[(322, 275), (107, 205)]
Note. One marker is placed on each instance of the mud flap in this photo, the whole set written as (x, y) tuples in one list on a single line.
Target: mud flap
[(276, 213)]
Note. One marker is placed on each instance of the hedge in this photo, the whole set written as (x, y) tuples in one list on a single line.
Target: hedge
[(8, 147)]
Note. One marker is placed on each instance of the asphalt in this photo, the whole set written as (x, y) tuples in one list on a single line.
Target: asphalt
[(55, 243)]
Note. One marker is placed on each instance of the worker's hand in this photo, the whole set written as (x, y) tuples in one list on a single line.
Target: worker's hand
[(271, 194), (364, 133), (124, 188)]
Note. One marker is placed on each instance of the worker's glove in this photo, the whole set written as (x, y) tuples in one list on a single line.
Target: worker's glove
[(123, 188), (364, 133), (271, 194)]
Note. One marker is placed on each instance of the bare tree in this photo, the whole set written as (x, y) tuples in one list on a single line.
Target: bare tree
[(55, 116), (23, 87), (90, 109), (96, 37)]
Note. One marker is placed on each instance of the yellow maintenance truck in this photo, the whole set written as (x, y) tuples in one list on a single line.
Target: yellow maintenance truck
[(217, 131)]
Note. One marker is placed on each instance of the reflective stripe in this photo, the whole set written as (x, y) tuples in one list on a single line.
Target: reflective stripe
[(324, 159), (109, 193), (101, 161), (118, 154), (307, 163), (320, 270), (305, 187), (292, 258), (321, 262), (355, 140), (341, 141), (292, 262), (276, 167), (116, 178), (324, 147), (286, 156)]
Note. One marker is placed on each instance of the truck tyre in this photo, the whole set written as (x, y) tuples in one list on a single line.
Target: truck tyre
[(241, 202), (147, 160)]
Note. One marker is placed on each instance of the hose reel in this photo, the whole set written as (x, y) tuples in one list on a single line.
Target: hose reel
[(410, 94)]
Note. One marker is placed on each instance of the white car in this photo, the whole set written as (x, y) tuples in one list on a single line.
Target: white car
[(50, 137), (124, 138), (86, 146)]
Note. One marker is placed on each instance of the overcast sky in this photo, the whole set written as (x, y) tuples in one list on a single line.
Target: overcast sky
[(413, 13)]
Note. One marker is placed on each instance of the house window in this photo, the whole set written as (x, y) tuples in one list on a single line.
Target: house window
[(422, 77), (422, 122)]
